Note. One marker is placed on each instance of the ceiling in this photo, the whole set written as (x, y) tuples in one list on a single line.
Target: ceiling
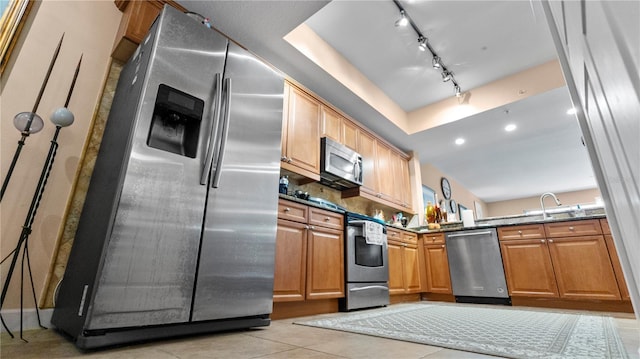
[(480, 41)]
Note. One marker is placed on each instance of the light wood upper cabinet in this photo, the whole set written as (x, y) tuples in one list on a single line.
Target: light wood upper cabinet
[(384, 171), (367, 149), (301, 134), (349, 134), (137, 18), (402, 186), (331, 124)]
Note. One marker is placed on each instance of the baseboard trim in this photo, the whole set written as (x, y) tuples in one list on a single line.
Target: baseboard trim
[(29, 319)]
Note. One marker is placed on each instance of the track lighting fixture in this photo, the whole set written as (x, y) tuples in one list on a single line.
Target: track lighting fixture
[(423, 45), (402, 21), (435, 62), (446, 76)]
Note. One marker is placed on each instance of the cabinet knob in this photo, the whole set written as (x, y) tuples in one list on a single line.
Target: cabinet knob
[(542, 241), (442, 246), (283, 159), (287, 209), (404, 244), (520, 232), (327, 219), (289, 160), (312, 227), (551, 241), (571, 228)]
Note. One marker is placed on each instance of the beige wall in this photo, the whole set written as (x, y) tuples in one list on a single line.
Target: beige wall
[(431, 177), (517, 206), (89, 28)]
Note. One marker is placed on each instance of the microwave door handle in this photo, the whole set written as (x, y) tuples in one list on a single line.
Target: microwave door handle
[(225, 133), (357, 171), (208, 158)]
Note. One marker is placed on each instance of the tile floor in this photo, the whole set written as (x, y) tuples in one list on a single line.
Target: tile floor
[(280, 340)]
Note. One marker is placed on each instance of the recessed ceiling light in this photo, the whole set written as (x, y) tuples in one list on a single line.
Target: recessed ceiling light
[(459, 141), (572, 111), (510, 127)]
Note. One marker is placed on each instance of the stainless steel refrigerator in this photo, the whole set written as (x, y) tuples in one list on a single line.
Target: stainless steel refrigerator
[(177, 234)]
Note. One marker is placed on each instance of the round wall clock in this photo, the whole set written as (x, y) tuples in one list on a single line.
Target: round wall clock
[(453, 206), (446, 188)]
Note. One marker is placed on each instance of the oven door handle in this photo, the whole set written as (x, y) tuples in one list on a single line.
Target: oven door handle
[(368, 287)]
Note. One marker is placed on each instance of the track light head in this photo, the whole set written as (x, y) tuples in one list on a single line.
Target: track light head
[(435, 62), (402, 21), (446, 76), (422, 43), (457, 90)]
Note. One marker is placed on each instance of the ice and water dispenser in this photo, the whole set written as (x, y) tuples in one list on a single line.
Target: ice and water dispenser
[(175, 125)]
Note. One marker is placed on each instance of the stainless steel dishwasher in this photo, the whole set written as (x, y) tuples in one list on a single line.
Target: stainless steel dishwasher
[(475, 266)]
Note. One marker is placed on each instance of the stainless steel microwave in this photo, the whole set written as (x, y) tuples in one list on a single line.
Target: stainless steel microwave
[(340, 166)]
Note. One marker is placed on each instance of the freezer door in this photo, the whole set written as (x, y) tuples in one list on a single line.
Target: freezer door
[(235, 274), (150, 260)]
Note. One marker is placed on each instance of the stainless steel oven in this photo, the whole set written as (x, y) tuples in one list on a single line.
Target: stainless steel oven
[(366, 265)]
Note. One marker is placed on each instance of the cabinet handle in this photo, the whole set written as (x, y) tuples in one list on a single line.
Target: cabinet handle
[(287, 209), (571, 228), (551, 241)]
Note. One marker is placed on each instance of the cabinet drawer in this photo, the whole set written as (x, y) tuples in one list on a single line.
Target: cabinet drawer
[(605, 226), (534, 231), (410, 238), (394, 234), (436, 238), (321, 217), (573, 228), (292, 211)]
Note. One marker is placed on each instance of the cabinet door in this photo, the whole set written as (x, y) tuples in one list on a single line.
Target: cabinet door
[(437, 263), (367, 149), (411, 269), (302, 142), (384, 172), (583, 268), (291, 262), (396, 268), (350, 135), (331, 124), (400, 180), (405, 183), (617, 268), (528, 268), (325, 263), (143, 13)]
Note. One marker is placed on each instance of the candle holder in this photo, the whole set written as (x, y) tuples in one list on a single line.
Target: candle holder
[(61, 117)]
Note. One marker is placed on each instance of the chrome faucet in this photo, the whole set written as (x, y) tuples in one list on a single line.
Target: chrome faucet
[(546, 194)]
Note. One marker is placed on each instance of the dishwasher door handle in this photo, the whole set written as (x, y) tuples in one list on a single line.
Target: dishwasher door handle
[(469, 234)]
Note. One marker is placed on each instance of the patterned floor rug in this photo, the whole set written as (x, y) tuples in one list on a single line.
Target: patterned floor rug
[(501, 331)]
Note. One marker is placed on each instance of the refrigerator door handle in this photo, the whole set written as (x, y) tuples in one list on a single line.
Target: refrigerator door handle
[(208, 158), (225, 132)]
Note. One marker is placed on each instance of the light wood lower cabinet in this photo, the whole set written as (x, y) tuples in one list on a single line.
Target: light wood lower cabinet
[(404, 264), (309, 261), (583, 268), (569, 260), (528, 268), (436, 264)]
